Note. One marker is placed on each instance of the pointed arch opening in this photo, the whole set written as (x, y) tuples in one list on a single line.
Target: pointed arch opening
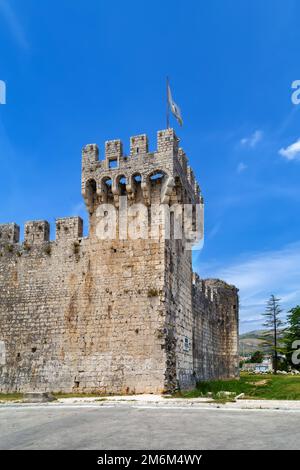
[(121, 184), (91, 194), (106, 189)]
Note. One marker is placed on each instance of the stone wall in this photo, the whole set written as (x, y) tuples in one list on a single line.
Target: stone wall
[(215, 348), (179, 315), (120, 315), (82, 315)]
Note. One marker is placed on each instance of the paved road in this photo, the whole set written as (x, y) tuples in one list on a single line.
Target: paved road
[(129, 427)]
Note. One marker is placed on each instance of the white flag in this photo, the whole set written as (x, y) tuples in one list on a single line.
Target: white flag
[(174, 108)]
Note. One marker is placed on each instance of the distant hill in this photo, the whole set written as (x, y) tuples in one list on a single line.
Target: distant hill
[(251, 341)]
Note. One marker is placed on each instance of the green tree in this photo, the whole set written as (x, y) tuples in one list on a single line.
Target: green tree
[(272, 323), (257, 357), (292, 334)]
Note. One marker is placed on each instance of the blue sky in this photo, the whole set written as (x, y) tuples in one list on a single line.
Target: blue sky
[(80, 72)]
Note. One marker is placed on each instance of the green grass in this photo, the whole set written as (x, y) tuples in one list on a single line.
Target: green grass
[(265, 386), (19, 396), (99, 396), (10, 396)]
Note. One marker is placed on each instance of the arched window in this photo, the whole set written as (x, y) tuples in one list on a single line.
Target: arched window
[(136, 181), (156, 178), (91, 193), (106, 189), (121, 185)]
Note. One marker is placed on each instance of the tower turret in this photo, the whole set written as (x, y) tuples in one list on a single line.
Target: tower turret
[(162, 176)]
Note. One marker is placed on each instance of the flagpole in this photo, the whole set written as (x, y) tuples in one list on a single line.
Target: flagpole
[(168, 105)]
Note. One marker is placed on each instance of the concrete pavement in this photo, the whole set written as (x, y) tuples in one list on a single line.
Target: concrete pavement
[(139, 426)]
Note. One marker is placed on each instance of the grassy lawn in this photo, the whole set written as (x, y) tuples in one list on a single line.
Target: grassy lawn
[(19, 396), (269, 387), (10, 396), (264, 386)]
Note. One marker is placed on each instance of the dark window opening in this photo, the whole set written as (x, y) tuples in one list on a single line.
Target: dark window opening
[(91, 191), (137, 178), (113, 163), (122, 185)]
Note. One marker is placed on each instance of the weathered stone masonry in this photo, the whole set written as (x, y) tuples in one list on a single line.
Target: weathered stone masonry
[(113, 316)]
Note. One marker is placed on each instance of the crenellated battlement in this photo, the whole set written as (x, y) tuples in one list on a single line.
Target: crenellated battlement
[(139, 145), (9, 233), (118, 174), (69, 228), (37, 232)]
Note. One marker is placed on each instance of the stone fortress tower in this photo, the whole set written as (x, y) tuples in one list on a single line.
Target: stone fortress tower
[(115, 315)]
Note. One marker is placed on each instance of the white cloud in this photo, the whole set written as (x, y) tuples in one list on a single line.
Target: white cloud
[(260, 275), (241, 167), (292, 152), (253, 139), (14, 24)]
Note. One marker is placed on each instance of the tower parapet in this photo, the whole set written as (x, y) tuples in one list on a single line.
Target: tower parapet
[(134, 175), (139, 145)]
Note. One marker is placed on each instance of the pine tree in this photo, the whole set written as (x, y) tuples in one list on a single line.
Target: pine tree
[(273, 323)]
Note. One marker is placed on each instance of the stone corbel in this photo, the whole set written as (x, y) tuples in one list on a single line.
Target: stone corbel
[(146, 191), (115, 192), (166, 190), (130, 188), (102, 194)]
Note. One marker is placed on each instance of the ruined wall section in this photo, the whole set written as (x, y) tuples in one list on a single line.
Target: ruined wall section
[(215, 307)]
